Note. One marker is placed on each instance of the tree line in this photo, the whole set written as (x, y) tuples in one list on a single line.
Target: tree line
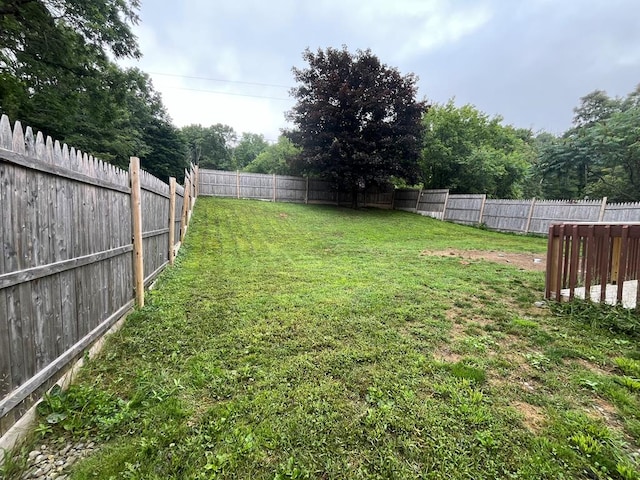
[(356, 121)]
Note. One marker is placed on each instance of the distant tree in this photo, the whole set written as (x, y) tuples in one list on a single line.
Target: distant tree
[(166, 156), (357, 120), (600, 155), (210, 147), (468, 152), (249, 147), (275, 158)]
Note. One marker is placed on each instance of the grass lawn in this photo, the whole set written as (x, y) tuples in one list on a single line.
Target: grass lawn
[(295, 342)]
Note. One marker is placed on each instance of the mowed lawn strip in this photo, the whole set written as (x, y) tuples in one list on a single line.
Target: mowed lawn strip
[(295, 341)]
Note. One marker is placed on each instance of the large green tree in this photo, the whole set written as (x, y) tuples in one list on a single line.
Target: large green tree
[(276, 158), (53, 49), (466, 151), (600, 155), (57, 77), (39, 31), (249, 147), (357, 120), (211, 147)]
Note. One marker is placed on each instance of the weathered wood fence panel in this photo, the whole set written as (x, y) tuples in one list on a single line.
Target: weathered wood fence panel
[(320, 192), (291, 189), (507, 215), (406, 199), (257, 186), (374, 197), (622, 212), (155, 228), (178, 217), (546, 212), (66, 269), (219, 183), (432, 203), (465, 209), (377, 198)]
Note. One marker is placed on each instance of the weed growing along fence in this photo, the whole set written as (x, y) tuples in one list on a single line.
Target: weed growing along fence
[(517, 216), (79, 239)]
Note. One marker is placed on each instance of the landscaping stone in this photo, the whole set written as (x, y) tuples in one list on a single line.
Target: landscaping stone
[(50, 463)]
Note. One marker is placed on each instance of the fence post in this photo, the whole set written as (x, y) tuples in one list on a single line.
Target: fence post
[(418, 201), (172, 218), (136, 221), (393, 199), (554, 258), (197, 175), (192, 192), (306, 193), (484, 200), (530, 216), (274, 188), (444, 207), (185, 209), (237, 183), (603, 207)]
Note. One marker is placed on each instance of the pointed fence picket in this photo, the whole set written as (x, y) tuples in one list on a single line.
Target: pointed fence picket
[(66, 270)]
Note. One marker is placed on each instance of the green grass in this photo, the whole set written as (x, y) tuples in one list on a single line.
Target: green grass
[(294, 342)]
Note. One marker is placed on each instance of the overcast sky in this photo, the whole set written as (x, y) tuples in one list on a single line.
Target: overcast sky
[(528, 61)]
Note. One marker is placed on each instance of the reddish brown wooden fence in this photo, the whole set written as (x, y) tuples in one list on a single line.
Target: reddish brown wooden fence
[(595, 261)]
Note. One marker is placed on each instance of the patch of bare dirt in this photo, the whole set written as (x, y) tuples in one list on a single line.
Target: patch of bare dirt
[(446, 356), (598, 370), (606, 411), (526, 261), (533, 417)]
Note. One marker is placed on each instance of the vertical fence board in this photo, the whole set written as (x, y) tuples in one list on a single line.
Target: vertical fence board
[(66, 256)]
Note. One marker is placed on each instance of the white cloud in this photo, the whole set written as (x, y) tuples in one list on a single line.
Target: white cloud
[(528, 61), (418, 26)]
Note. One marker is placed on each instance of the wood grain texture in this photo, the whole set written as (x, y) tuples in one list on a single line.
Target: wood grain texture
[(66, 250)]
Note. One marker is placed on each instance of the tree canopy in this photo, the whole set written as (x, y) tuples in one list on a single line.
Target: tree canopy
[(276, 158), (467, 152), (357, 120), (211, 147), (600, 155), (249, 147), (56, 76)]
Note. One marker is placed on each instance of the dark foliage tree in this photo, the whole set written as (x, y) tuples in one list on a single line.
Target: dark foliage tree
[(357, 120)]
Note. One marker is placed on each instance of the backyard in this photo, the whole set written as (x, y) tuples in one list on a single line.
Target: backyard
[(298, 341)]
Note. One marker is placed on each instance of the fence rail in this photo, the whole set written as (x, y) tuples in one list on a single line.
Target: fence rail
[(599, 262), (67, 269)]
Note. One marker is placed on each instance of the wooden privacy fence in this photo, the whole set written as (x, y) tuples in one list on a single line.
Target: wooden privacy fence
[(284, 188), (596, 261), (516, 216), (80, 240)]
